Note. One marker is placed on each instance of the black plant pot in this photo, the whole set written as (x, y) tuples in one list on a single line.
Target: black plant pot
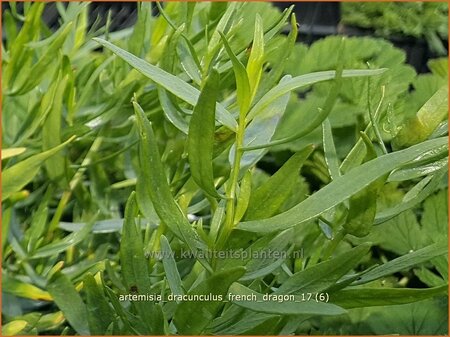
[(316, 19), (123, 14)]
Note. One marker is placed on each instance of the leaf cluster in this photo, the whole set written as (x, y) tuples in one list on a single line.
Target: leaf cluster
[(133, 159)]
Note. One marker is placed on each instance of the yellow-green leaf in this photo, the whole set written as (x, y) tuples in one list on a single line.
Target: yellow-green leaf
[(255, 61), (12, 152), (16, 177)]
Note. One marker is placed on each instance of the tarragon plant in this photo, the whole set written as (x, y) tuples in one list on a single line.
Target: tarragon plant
[(134, 201)]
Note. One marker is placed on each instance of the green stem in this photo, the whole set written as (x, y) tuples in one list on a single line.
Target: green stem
[(322, 113), (77, 178), (375, 128), (154, 244), (231, 186), (351, 159)]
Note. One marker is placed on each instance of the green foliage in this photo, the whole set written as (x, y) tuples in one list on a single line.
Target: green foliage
[(203, 152), (69, 301), (17, 176), (428, 20), (430, 115), (201, 136)]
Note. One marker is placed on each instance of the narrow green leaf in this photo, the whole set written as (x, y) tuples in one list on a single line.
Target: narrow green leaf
[(256, 58), (39, 221), (428, 277), (200, 140), (369, 297), (125, 316), (278, 68), (168, 81), (50, 321), (100, 227), (68, 72), (416, 195), (363, 204), (69, 301), (266, 262), (324, 112), (172, 111), (170, 267), (329, 149), (192, 317), (88, 87), (169, 57), (216, 10), (341, 188), (279, 24), (39, 69), (254, 324), (100, 314), (222, 27), (189, 59), (266, 269), (14, 328), (268, 198), (38, 113), (154, 178), (356, 154), (54, 248), (404, 262), (81, 29), (217, 219), (263, 246), (19, 54), (189, 13), (26, 290), (138, 42), (16, 177), (422, 125), (302, 81), (135, 269), (242, 82), (297, 306), (409, 173), (243, 199), (431, 155), (12, 152), (6, 224), (144, 200), (187, 53), (51, 132), (10, 27), (169, 63), (325, 274), (261, 129)]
